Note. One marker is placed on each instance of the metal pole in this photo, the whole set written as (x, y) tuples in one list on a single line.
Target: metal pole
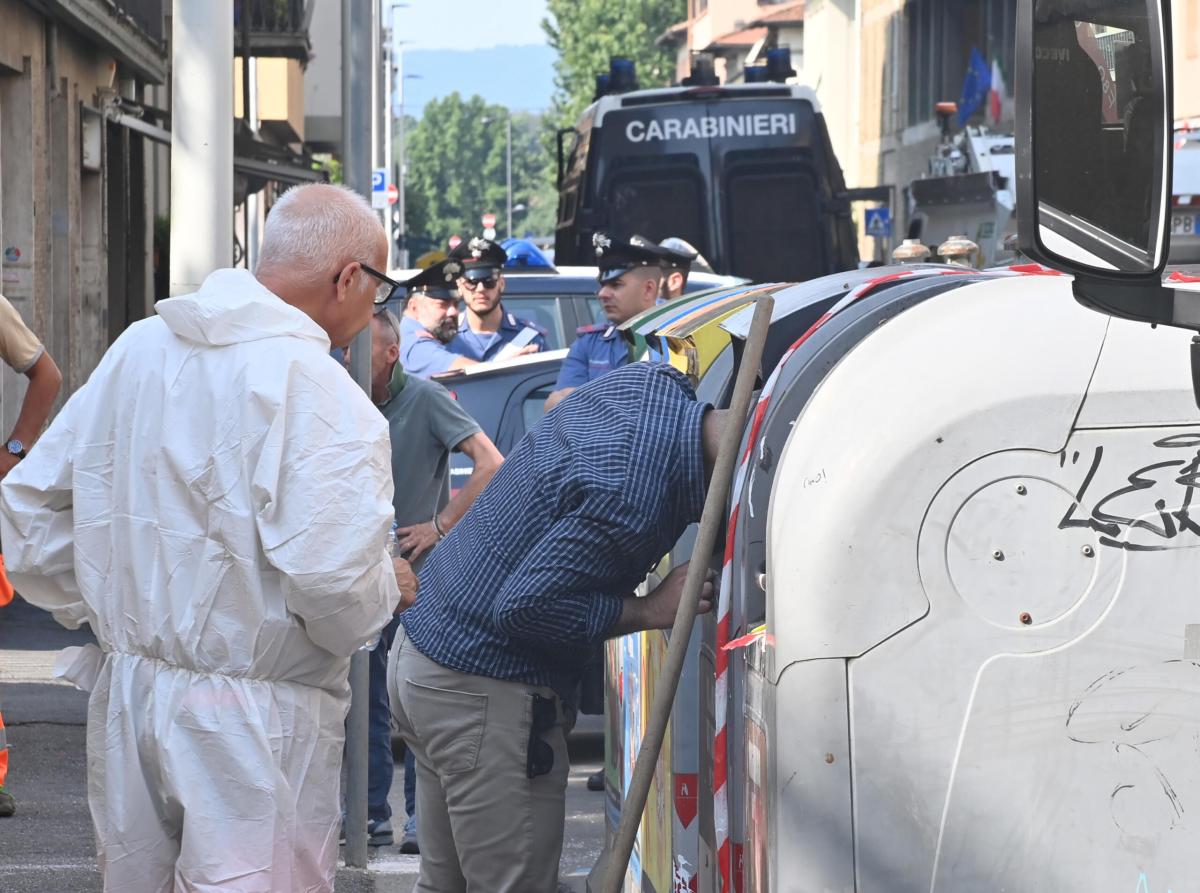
[(508, 168), (388, 125), (201, 141), (403, 225), (706, 539), (357, 18)]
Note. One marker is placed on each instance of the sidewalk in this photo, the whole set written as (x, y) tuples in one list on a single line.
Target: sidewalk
[(47, 847)]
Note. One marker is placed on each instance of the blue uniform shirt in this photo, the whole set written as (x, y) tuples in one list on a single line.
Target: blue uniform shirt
[(421, 353), (484, 346), (597, 351), (529, 583)]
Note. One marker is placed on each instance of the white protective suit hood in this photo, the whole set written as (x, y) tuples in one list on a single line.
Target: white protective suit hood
[(214, 502)]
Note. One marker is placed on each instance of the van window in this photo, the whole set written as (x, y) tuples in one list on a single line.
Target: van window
[(774, 224), (656, 202)]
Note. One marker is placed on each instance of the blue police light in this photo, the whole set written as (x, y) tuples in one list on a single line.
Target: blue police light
[(755, 74), (779, 64), (622, 75), (524, 255), (601, 85)]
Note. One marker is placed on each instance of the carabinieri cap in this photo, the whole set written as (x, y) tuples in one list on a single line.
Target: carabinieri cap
[(615, 257), (480, 258), (436, 281)]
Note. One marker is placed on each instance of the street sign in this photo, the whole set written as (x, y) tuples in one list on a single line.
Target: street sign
[(879, 222), (393, 194), (454, 242), (489, 232), (379, 187), (488, 220)]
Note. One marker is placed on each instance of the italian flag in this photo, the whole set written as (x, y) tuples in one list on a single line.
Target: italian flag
[(997, 96)]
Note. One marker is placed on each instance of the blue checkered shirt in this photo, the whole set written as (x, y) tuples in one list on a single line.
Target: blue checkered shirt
[(531, 581)]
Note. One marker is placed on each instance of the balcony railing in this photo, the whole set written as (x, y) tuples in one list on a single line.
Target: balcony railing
[(276, 27), (147, 15)]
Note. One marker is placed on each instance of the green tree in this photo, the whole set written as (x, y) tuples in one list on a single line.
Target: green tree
[(456, 171), (587, 33)]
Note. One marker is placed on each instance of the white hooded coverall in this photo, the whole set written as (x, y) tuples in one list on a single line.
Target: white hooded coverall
[(214, 502)]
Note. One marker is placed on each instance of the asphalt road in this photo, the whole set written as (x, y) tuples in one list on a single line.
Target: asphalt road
[(47, 847)]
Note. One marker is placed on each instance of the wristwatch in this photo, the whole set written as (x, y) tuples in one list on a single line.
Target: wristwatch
[(15, 448)]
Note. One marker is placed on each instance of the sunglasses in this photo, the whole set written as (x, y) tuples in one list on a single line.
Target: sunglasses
[(490, 282), (387, 285)]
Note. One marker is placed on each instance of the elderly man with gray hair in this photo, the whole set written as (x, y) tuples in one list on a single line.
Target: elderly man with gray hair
[(215, 504)]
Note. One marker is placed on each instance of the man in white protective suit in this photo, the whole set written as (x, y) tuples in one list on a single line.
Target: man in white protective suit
[(215, 503)]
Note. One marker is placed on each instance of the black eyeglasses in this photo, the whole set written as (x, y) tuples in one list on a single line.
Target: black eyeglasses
[(490, 282), (387, 286)]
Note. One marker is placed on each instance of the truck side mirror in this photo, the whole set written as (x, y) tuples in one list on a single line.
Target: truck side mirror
[(1093, 136)]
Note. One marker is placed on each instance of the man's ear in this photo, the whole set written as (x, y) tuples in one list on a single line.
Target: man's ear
[(393, 353), (500, 280), (345, 280)]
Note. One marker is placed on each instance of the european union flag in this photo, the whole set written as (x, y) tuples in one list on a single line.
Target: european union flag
[(976, 85)]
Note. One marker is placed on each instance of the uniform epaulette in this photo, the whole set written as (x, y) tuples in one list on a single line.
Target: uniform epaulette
[(595, 327)]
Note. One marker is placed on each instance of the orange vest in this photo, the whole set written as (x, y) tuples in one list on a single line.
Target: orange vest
[(6, 589)]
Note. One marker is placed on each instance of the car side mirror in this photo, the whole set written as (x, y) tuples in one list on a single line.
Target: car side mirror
[(1093, 135)]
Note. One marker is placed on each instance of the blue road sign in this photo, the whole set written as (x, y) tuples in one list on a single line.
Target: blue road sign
[(878, 222), (379, 180)]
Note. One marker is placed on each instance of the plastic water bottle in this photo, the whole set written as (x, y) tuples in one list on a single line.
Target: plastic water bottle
[(392, 549)]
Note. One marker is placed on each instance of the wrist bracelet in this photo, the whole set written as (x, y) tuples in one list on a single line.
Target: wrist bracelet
[(438, 527)]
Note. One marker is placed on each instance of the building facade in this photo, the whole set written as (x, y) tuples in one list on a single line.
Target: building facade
[(76, 216)]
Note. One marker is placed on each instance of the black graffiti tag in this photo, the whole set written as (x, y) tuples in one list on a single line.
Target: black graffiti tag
[(1171, 524)]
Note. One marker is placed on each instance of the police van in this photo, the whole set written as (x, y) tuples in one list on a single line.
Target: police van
[(745, 173)]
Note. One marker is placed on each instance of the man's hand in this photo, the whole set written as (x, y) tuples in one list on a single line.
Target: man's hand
[(657, 610), (7, 463), (406, 582), (415, 541), (526, 350)]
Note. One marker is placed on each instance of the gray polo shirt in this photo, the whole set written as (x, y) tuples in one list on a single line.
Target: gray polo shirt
[(425, 423)]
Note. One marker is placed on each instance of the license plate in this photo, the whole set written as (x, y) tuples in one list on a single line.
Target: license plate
[(1183, 223)]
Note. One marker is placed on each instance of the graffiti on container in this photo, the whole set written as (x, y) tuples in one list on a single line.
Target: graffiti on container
[(1128, 512), (1147, 720)]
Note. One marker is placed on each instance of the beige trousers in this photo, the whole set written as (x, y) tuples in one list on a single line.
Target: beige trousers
[(484, 826)]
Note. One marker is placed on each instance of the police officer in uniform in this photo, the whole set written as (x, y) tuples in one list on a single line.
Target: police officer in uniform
[(630, 277), (486, 330), (430, 321), (678, 257)]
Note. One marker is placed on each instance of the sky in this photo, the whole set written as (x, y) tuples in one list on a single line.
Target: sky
[(495, 48), (474, 24)]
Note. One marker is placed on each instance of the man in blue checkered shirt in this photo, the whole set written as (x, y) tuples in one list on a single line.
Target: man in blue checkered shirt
[(515, 601)]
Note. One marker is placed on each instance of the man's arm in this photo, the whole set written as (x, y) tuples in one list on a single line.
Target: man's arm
[(427, 356), (44, 382), (418, 539), (323, 499), (572, 374), (557, 397), (37, 523), (657, 610), (570, 586)]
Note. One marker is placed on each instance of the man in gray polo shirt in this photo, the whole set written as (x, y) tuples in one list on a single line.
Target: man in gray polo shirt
[(426, 424)]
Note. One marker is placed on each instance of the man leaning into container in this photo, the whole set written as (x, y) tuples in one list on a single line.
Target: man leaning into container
[(215, 503), (516, 600)]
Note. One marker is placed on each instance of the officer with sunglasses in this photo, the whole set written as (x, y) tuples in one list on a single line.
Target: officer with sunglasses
[(486, 331)]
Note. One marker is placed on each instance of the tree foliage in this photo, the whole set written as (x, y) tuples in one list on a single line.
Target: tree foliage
[(587, 33), (456, 171)]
